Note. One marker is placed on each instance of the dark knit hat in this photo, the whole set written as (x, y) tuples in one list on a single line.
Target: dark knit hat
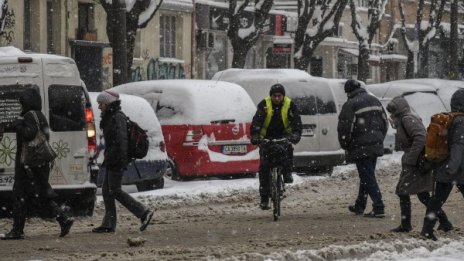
[(277, 88), (351, 85)]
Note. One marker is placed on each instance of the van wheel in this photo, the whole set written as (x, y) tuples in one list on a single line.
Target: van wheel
[(145, 185), (172, 172)]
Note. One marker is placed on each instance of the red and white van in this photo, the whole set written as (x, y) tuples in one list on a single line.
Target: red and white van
[(206, 125)]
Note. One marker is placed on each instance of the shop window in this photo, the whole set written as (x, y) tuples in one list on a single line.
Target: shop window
[(168, 36), (85, 25), (316, 66)]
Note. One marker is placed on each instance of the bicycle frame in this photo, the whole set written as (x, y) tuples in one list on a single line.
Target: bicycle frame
[(276, 181)]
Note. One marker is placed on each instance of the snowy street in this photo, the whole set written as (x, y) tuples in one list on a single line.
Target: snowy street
[(220, 219)]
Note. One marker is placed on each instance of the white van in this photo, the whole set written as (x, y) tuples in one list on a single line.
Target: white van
[(72, 127), (319, 148), (147, 173)]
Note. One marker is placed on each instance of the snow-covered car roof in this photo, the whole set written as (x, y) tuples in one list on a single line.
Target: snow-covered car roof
[(257, 82), (444, 88), (139, 111), (194, 101), (393, 89)]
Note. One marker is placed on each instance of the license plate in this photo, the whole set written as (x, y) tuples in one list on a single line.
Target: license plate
[(6, 180), (307, 132), (234, 149)]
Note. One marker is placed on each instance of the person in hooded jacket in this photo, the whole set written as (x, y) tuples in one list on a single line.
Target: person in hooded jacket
[(277, 117), (114, 126), (410, 138), (31, 184), (450, 172), (362, 126)]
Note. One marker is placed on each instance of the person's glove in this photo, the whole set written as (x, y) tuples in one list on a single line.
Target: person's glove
[(422, 164), (293, 138), (255, 140)]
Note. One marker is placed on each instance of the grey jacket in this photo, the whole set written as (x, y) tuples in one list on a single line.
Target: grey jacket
[(410, 138), (452, 169)]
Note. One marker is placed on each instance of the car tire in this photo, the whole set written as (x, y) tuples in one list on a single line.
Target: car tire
[(172, 173), (145, 185), (159, 183)]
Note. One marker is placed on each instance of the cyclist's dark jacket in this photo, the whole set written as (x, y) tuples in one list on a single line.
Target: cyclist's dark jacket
[(362, 126), (276, 129)]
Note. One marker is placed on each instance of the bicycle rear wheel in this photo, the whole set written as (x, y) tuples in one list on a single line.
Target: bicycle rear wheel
[(275, 192)]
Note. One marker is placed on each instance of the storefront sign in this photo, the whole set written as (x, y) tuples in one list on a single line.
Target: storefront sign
[(282, 48)]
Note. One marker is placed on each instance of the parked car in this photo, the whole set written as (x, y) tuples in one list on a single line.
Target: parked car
[(337, 86), (423, 99), (206, 125), (147, 173), (72, 127), (444, 88), (319, 148)]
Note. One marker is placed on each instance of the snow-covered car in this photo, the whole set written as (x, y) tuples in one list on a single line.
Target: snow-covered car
[(319, 148), (444, 88), (147, 173), (206, 125), (337, 86)]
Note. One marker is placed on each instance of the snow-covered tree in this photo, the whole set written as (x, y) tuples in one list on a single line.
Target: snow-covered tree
[(243, 39), (317, 20), (453, 50), (424, 32), (138, 15), (365, 31)]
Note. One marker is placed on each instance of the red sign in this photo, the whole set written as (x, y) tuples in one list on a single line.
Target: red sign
[(282, 48)]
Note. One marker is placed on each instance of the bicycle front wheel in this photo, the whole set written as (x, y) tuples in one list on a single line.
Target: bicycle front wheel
[(275, 192)]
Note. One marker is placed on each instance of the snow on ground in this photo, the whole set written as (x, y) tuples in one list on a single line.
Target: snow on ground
[(201, 191)]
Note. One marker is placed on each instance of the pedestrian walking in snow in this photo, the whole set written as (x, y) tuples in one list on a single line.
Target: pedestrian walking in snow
[(450, 172), (410, 138), (31, 183), (362, 126), (114, 126)]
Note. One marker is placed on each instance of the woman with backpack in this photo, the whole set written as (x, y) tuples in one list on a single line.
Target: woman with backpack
[(114, 126), (410, 138), (450, 171)]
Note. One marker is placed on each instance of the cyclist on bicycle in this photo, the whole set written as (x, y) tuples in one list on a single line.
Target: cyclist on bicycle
[(277, 117)]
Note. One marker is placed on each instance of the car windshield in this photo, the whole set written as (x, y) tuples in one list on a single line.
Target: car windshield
[(425, 105)]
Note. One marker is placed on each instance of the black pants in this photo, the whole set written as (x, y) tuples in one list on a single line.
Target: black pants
[(265, 165), (112, 191), (405, 202), (442, 192), (31, 187), (368, 185)]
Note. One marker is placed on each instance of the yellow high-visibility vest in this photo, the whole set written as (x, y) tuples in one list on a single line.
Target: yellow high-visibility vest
[(270, 112)]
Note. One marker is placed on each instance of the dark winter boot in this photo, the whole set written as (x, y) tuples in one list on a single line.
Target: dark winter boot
[(288, 178), (405, 225), (427, 229), (264, 203), (65, 224), (13, 235), (445, 224), (355, 210)]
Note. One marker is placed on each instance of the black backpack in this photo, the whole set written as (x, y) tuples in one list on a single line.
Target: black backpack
[(137, 141)]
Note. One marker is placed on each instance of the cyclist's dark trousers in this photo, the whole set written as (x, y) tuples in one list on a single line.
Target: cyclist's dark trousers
[(442, 192), (368, 185), (31, 189), (264, 177)]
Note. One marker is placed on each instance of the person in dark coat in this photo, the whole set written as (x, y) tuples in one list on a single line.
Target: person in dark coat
[(277, 117), (114, 126), (31, 184), (410, 138), (449, 172), (362, 126)]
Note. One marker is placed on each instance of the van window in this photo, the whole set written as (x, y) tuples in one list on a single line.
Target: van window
[(67, 108), (10, 108), (314, 105)]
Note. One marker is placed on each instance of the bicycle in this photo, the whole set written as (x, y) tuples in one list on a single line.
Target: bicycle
[(277, 154)]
